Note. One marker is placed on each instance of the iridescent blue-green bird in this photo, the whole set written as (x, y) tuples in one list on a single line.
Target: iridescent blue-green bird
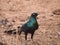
[(30, 26)]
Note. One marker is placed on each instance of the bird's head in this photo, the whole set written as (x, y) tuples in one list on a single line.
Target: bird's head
[(34, 14)]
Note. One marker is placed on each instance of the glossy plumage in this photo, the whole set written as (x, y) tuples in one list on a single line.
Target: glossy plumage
[(30, 26)]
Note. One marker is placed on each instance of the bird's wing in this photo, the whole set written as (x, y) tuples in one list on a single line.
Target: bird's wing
[(24, 27)]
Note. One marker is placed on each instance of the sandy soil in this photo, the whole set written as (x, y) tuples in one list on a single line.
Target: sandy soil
[(17, 12)]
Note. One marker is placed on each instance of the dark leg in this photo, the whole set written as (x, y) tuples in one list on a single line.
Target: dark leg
[(32, 35), (25, 38)]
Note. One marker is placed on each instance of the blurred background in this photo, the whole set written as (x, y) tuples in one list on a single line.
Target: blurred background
[(15, 13)]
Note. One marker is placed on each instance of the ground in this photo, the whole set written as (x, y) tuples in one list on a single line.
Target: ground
[(17, 12)]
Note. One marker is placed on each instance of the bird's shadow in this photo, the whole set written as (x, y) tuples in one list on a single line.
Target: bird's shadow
[(29, 42), (34, 42)]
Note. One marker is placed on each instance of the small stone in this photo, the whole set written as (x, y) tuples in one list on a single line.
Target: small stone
[(56, 12), (13, 20)]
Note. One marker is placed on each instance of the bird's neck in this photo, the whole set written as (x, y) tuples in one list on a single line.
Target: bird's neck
[(32, 18), (31, 22)]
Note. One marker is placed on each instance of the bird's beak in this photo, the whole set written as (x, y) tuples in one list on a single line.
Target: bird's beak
[(37, 15)]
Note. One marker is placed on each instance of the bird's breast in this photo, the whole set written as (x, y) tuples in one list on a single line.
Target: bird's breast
[(32, 24)]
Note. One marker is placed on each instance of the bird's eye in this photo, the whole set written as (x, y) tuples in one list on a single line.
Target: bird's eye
[(33, 14)]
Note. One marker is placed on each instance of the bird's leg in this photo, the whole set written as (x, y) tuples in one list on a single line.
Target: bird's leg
[(25, 38), (32, 37)]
